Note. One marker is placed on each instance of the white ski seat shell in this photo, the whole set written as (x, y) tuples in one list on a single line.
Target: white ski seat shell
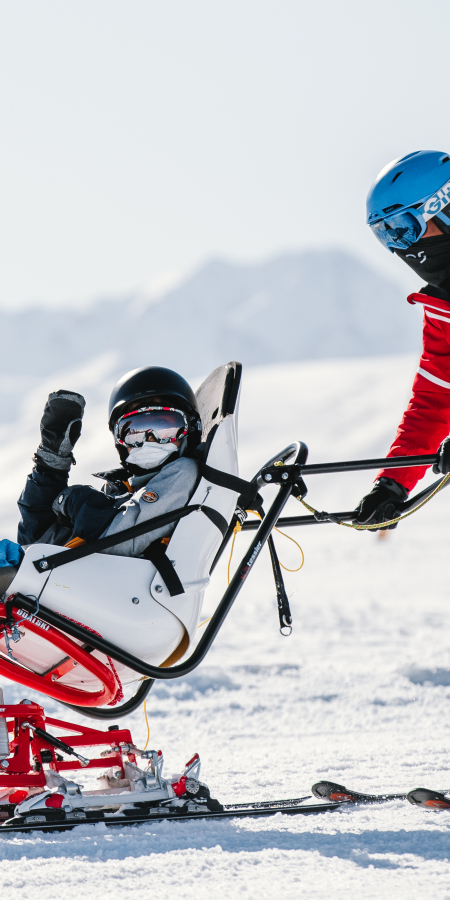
[(124, 599)]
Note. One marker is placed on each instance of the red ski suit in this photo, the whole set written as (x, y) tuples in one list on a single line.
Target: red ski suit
[(426, 421)]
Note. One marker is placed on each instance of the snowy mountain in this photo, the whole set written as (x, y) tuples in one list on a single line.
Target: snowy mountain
[(294, 308), (310, 305)]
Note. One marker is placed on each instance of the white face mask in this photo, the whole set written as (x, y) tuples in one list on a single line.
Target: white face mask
[(150, 455)]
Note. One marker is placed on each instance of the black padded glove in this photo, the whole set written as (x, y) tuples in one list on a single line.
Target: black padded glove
[(88, 511), (384, 502), (60, 429), (442, 464)]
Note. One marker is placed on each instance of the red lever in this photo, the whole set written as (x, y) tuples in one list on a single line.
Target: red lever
[(55, 801)]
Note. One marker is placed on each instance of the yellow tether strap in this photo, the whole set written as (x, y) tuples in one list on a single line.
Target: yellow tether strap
[(238, 527), (147, 724), (381, 525), (297, 545)]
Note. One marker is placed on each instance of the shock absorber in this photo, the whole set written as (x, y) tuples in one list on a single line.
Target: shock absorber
[(4, 742)]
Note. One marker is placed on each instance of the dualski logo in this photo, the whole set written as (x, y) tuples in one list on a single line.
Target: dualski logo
[(33, 619)]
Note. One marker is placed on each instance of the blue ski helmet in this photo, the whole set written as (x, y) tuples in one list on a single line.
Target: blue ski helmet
[(406, 194)]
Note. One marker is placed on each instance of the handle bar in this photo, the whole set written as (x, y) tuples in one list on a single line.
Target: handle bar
[(391, 462), (290, 521)]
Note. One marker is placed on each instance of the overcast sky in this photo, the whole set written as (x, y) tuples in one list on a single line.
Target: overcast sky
[(140, 138)]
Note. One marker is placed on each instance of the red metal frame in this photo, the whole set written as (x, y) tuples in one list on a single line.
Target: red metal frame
[(47, 684), (25, 768)]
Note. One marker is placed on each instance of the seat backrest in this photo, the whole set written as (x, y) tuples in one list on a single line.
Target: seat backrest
[(218, 398), (196, 539)]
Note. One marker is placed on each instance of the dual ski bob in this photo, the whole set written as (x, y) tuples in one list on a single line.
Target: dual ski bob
[(79, 625)]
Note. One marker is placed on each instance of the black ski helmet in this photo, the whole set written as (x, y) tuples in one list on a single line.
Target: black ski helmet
[(140, 387)]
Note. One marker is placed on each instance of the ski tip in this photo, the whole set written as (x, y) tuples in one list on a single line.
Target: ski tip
[(428, 799), (329, 790)]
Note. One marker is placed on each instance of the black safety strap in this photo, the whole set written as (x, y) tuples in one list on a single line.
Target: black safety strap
[(224, 479), (216, 518), (156, 553), (47, 563), (248, 490)]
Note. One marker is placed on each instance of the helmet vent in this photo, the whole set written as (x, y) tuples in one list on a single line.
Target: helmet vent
[(397, 175), (446, 159), (389, 209)]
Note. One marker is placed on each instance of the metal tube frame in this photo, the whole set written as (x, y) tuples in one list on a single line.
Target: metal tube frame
[(356, 465)]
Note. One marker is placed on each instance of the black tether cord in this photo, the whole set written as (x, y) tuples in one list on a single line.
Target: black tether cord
[(284, 610)]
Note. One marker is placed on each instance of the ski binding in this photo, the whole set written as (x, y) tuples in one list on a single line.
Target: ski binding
[(36, 794)]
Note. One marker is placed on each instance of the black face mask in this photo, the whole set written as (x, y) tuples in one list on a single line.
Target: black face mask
[(430, 259)]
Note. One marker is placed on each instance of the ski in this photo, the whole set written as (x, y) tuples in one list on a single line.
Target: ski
[(428, 799), (334, 795), (337, 793), (329, 790), (49, 823)]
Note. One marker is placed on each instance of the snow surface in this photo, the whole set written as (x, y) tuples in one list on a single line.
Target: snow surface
[(358, 694)]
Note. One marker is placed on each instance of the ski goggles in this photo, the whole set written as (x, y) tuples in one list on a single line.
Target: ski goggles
[(401, 230), (162, 423)]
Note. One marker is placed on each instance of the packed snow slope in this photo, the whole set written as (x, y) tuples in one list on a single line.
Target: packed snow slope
[(358, 694)]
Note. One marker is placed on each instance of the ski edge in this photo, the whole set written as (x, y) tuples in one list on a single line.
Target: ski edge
[(227, 813)]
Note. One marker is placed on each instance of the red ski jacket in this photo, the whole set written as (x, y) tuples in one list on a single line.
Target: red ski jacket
[(426, 421)]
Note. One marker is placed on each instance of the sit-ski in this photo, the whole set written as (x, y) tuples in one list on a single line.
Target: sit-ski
[(79, 625)]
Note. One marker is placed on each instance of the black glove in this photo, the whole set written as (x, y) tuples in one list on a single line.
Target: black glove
[(88, 511), (384, 502), (60, 429), (442, 464)]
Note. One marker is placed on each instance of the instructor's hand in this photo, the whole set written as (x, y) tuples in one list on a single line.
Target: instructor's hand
[(385, 502), (442, 464)]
